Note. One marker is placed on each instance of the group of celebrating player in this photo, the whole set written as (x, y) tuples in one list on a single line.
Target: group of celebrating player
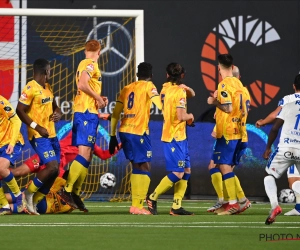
[(54, 190)]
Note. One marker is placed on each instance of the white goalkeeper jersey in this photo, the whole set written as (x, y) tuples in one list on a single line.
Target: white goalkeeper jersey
[(289, 98)]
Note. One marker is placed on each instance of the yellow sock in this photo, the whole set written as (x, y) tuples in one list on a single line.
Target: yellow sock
[(37, 197), (12, 184), (3, 200), (216, 180), (225, 193), (239, 191), (142, 189), (34, 185), (229, 181), (78, 184), (134, 182), (164, 185), (179, 191), (76, 169)]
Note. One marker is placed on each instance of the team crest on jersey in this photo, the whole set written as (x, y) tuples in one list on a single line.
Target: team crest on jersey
[(28, 87), (90, 67), (2, 102), (7, 109), (182, 101), (46, 155), (172, 149), (149, 154), (154, 91), (23, 97), (181, 164), (223, 85), (224, 94), (142, 140)]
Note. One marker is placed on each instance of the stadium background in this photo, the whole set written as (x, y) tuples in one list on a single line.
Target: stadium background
[(264, 41)]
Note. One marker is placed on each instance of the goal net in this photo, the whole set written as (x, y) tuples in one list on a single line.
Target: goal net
[(59, 36)]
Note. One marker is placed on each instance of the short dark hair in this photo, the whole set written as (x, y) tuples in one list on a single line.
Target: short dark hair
[(40, 66), (297, 82), (144, 70), (225, 60), (175, 70)]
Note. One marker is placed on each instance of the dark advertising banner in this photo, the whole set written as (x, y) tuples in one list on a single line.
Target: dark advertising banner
[(262, 36)]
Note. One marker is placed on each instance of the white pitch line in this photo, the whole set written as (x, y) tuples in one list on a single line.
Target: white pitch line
[(140, 226)]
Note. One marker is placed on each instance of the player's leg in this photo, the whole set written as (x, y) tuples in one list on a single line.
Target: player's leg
[(84, 133), (138, 150), (77, 190), (294, 181), (174, 165), (181, 186), (8, 178), (49, 154), (276, 166), (224, 156)]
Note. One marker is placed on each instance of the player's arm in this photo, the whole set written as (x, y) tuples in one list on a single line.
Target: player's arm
[(227, 107), (181, 113), (269, 119), (22, 110), (8, 111), (272, 136), (83, 85), (56, 112), (115, 117), (189, 91)]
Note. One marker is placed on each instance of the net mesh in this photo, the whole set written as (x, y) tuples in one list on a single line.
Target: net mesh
[(61, 41)]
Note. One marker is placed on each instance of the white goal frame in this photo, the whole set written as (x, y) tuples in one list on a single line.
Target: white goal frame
[(137, 14)]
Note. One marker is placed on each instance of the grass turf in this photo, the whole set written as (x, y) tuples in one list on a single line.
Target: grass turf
[(109, 225)]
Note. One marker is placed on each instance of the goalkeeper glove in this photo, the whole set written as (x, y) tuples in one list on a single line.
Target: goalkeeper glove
[(113, 144)]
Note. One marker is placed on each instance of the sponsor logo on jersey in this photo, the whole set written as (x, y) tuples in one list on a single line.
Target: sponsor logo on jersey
[(290, 155), (90, 67), (7, 109), (45, 100), (224, 94)]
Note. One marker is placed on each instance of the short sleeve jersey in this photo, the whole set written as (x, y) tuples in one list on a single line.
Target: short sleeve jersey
[(289, 98), (230, 91), (39, 100), (83, 101), (6, 130), (290, 135), (173, 97), (136, 100)]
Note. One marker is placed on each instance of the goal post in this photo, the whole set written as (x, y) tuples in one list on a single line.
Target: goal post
[(59, 35)]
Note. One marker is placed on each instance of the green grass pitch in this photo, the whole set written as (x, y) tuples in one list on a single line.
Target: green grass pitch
[(108, 225)]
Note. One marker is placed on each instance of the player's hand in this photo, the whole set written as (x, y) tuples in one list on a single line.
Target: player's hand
[(42, 131), (190, 121), (100, 103), (56, 115), (210, 100), (259, 123), (113, 144), (213, 134), (215, 115), (105, 99), (267, 153), (10, 149), (215, 95)]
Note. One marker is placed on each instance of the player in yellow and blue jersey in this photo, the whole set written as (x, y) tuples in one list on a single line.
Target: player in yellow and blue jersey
[(11, 143), (85, 121), (229, 114), (38, 110), (135, 101), (174, 141)]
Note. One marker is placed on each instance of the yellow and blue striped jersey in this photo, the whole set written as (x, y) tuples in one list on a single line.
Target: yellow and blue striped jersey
[(6, 129), (136, 100), (39, 100), (82, 100), (230, 91), (173, 97)]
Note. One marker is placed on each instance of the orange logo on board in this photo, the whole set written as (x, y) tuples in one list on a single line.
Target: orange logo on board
[(223, 38)]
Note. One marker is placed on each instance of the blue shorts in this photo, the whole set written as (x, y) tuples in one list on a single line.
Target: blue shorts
[(13, 157), (177, 155), (225, 152), (84, 130), (137, 148), (48, 149), (240, 152)]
